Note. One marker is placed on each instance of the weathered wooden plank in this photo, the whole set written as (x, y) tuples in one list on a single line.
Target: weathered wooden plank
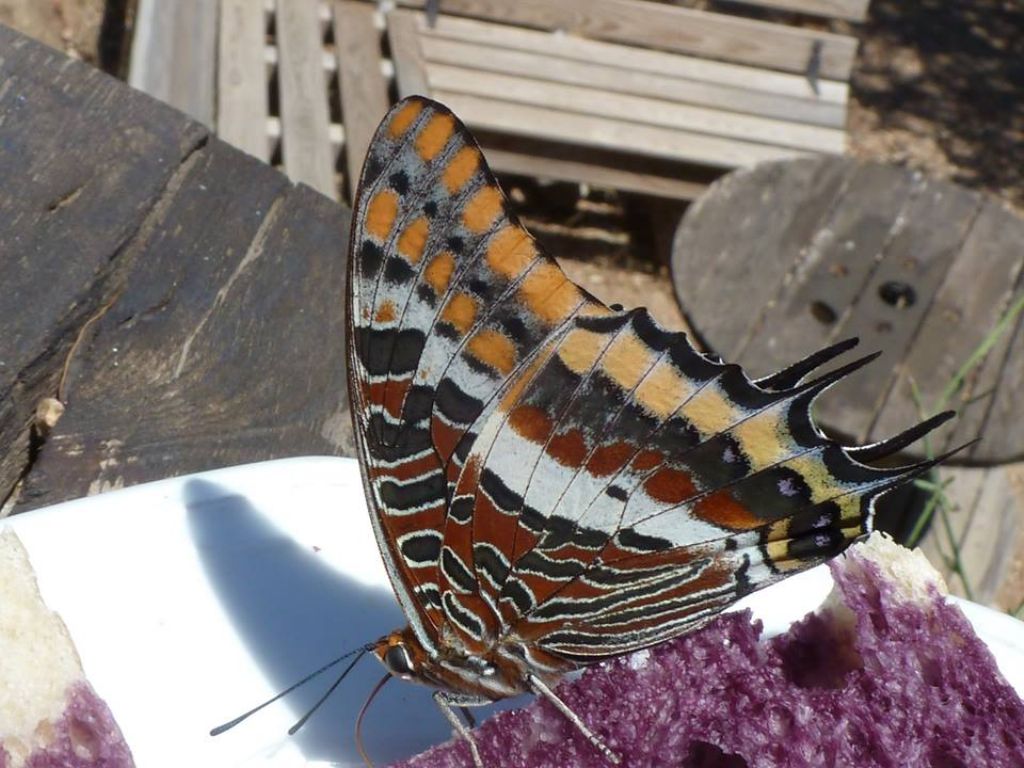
[(1003, 432), (974, 404), (1009, 595), (635, 109), (657, 25), (915, 260), (407, 55), (242, 100), (978, 289), (595, 52), (734, 247), (918, 268), (986, 523), (304, 113), (364, 91), (212, 352), (613, 77), (992, 538), (86, 159), (588, 130), (554, 164), (963, 488), (850, 10), (827, 272), (174, 54)]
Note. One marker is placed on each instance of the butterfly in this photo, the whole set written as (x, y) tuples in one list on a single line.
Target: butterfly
[(553, 482)]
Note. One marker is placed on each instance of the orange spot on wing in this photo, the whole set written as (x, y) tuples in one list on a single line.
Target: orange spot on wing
[(413, 239), (609, 458), (434, 135), (568, 449), (385, 313), (627, 360), (580, 350), (548, 293), (519, 383), (510, 252), (404, 118), (460, 312), (662, 390), (439, 271), (647, 460), (380, 214), (482, 209), (531, 422), (461, 169), (720, 508), (670, 486), (494, 350)]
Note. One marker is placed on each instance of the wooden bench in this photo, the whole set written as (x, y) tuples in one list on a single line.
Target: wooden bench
[(627, 94), (634, 95)]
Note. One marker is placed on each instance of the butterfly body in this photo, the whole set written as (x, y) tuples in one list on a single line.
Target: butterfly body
[(553, 482), (500, 673)]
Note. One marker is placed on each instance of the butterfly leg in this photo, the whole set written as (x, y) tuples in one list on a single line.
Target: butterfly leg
[(541, 689), (447, 702)]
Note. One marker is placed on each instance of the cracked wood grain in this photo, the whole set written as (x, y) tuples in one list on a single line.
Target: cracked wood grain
[(185, 300)]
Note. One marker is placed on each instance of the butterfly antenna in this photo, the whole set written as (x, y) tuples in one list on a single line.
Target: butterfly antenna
[(302, 721), (359, 720), (232, 723)]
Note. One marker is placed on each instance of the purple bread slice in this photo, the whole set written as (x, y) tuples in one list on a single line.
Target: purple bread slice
[(50, 717), (887, 673)]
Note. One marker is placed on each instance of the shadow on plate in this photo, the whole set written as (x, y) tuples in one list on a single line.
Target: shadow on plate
[(296, 613)]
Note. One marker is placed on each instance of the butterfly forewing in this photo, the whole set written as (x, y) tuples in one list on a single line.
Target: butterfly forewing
[(544, 470), (449, 298)]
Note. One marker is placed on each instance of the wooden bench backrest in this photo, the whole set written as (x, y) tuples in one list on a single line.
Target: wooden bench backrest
[(683, 30), (847, 10)]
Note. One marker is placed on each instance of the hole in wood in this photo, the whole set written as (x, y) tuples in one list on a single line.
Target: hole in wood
[(897, 294), (823, 313)]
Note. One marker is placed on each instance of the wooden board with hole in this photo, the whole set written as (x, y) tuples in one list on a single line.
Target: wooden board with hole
[(921, 270), (202, 281)]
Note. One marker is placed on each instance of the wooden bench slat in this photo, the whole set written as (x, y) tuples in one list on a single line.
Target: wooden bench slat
[(242, 100), (174, 55), (304, 115), (407, 53), (572, 48), (668, 27), (617, 79), (364, 91), (635, 110), (524, 120), (848, 10), (564, 168)]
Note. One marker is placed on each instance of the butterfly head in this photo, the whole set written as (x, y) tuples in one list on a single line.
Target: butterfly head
[(401, 654)]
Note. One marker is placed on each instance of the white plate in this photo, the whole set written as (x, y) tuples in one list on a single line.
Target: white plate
[(193, 599)]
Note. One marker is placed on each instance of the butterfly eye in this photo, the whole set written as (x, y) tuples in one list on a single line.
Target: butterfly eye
[(399, 662)]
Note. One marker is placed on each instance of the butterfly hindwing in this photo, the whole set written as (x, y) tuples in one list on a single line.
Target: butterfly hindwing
[(650, 487)]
